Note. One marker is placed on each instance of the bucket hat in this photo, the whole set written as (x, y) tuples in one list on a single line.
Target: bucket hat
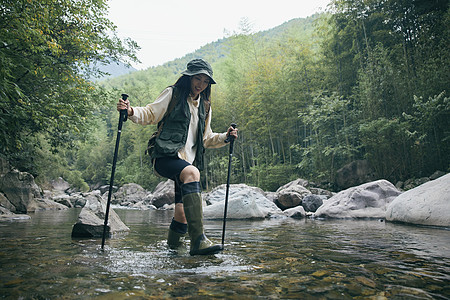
[(199, 66)]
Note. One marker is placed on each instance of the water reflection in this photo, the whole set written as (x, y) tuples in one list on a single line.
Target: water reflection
[(279, 258)]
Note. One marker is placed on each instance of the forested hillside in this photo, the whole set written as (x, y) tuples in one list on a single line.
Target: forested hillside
[(368, 80)]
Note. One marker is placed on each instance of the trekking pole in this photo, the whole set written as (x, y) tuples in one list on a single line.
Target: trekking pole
[(122, 118), (230, 139)]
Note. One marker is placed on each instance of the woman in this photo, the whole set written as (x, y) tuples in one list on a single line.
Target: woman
[(183, 114)]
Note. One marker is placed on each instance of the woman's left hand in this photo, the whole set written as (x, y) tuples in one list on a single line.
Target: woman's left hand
[(233, 132)]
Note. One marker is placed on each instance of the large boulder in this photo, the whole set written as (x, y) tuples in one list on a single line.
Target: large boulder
[(91, 219), (368, 200), (59, 185), (164, 193), (354, 173), (20, 190), (291, 196), (312, 202), (129, 194), (293, 184), (427, 204), (244, 202), (295, 212), (4, 202), (40, 204), (5, 167), (8, 216), (63, 199)]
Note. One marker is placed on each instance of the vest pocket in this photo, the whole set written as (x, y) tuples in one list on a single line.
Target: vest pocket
[(175, 137)]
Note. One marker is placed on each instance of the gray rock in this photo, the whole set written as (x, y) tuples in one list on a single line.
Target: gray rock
[(295, 212), (59, 185), (399, 185), (8, 216), (77, 200), (321, 192), (20, 190), (272, 196), (64, 200), (312, 202), (4, 202), (414, 182), (291, 196), (218, 194), (143, 205), (244, 202), (353, 174), (164, 193), (436, 175), (293, 184), (368, 200), (427, 204), (129, 193), (40, 204), (105, 189), (92, 217), (169, 206)]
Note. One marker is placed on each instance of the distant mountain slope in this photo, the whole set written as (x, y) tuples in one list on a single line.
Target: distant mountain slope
[(114, 70), (215, 51)]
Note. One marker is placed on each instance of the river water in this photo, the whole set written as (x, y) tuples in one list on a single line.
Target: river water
[(266, 259)]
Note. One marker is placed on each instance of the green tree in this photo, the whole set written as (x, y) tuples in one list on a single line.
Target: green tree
[(47, 50)]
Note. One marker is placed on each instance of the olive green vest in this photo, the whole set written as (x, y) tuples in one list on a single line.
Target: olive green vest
[(175, 127)]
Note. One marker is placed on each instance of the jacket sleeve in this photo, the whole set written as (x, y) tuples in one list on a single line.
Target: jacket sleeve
[(152, 113), (211, 139)]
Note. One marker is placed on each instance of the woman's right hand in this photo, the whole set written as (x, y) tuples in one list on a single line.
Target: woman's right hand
[(125, 104)]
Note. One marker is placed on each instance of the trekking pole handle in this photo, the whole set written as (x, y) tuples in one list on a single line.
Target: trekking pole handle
[(124, 112), (230, 137)]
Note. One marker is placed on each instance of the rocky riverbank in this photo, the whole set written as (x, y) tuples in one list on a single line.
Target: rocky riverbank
[(426, 204)]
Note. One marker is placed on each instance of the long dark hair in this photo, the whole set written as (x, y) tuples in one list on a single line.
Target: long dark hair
[(184, 83)]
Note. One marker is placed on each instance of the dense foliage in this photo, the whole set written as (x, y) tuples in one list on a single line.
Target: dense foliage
[(47, 49), (367, 80)]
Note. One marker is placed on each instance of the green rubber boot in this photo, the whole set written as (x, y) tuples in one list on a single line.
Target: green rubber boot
[(177, 232), (192, 203)]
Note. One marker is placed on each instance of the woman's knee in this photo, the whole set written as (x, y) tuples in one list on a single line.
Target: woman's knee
[(190, 174)]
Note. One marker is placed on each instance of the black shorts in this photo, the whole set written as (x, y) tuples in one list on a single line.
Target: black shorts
[(171, 167)]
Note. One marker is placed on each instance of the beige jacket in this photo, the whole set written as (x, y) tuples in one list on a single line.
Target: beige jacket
[(154, 112)]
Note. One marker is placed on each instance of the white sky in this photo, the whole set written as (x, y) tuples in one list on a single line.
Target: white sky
[(170, 29)]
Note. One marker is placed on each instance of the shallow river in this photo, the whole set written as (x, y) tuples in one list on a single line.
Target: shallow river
[(270, 259)]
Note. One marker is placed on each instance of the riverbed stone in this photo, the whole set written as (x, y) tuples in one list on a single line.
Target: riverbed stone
[(4, 202), (218, 194), (427, 204), (59, 184), (20, 190), (91, 219), (295, 212), (291, 196), (312, 202), (321, 192), (8, 216), (40, 204), (63, 199), (77, 199), (244, 202), (129, 193), (164, 193), (368, 200), (292, 184)]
